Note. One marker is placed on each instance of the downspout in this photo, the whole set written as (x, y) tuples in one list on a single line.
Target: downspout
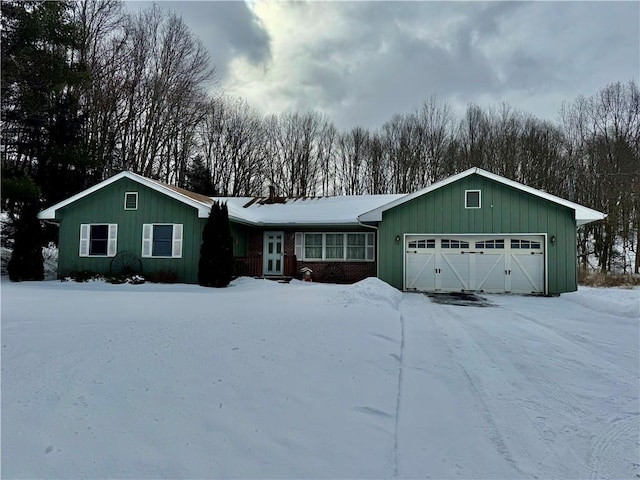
[(377, 244)]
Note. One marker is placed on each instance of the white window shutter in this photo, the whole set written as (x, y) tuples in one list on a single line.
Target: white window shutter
[(299, 244), (147, 238), (85, 230), (112, 243), (177, 241)]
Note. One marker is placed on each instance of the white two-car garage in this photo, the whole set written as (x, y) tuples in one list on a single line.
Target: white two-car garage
[(485, 263)]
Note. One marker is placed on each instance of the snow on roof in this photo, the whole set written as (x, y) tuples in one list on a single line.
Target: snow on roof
[(338, 210), (331, 210), (583, 215)]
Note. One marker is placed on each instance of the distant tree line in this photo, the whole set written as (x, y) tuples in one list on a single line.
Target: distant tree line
[(89, 90)]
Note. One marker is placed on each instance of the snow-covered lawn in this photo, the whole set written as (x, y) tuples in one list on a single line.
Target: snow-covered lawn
[(302, 380)]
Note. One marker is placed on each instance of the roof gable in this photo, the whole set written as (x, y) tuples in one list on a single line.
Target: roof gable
[(583, 215), (201, 203)]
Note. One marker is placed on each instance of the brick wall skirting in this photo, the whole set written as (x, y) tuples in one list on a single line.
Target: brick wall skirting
[(329, 272)]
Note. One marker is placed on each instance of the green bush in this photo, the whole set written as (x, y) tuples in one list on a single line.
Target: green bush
[(162, 276), (82, 276)]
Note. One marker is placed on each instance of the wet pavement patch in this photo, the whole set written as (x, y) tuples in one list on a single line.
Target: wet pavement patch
[(464, 299)]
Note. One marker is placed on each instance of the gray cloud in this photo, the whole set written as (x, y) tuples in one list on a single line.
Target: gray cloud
[(228, 29), (362, 62)]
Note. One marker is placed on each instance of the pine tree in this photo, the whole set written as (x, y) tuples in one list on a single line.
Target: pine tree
[(41, 109), (26, 261), (199, 178), (215, 268)]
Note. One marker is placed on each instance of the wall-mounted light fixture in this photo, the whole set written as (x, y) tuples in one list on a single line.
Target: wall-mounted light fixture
[(397, 238), (553, 239)]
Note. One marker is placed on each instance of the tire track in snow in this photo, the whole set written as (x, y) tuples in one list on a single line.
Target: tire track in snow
[(497, 391), (569, 339), (398, 396), (605, 455), (564, 418)]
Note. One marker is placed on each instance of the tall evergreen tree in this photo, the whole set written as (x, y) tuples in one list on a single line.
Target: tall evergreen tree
[(215, 268), (41, 86), (26, 261)]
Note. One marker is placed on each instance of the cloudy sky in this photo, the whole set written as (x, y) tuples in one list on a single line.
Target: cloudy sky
[(362, 62)]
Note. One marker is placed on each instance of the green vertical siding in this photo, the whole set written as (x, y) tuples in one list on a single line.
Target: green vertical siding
[(107, 206), (504, 210)]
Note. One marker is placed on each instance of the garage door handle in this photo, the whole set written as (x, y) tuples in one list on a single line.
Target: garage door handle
[(463, 252), (507, 272)]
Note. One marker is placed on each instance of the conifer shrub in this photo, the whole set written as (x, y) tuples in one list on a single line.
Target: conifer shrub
[(26, 262), (215, 268)]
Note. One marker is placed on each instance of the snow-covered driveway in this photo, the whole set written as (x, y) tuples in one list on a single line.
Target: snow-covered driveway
[(266, 380), (517, 391)]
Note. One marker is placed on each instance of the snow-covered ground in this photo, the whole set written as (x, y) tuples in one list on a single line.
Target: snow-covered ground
[(302, 380)]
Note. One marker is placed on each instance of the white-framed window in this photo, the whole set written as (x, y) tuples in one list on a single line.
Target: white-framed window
[(427, 243), (525, 244), (446, 243), (472, 199), (98, 239), (131, 200), (335, 246), (162, 240)]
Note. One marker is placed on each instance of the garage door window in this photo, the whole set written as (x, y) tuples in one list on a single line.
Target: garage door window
[(488, 244), (446, 243), (525, 244), (431, 243)]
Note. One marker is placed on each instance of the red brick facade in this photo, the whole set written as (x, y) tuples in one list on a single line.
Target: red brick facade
[(323, 271)]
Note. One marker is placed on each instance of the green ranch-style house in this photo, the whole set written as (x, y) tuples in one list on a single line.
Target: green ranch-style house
[(474, 231)]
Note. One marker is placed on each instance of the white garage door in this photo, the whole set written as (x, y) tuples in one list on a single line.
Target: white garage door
[(486, 263)]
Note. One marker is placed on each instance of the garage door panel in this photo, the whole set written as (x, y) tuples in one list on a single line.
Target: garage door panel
[(527, 274), (491, 273), (420, 271), (454, 272)]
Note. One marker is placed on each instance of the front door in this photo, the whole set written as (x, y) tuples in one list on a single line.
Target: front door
[(273, 253)]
